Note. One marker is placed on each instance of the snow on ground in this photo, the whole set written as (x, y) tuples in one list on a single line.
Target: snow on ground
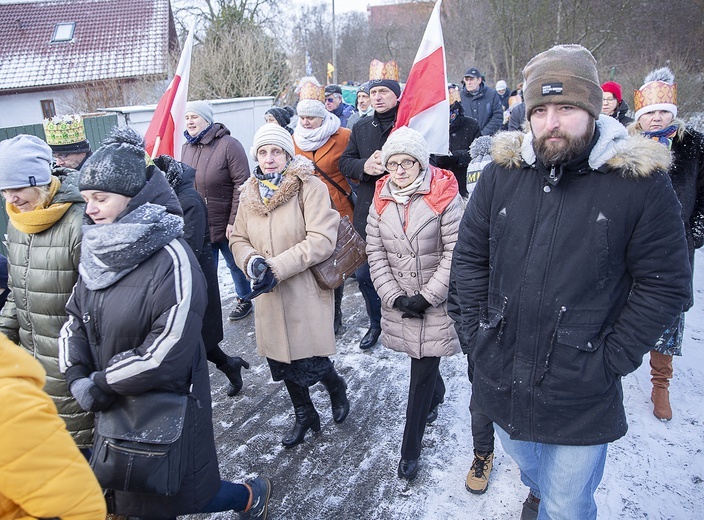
[(348, 471)]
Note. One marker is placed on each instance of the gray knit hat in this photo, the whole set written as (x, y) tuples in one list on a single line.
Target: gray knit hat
[(408, 141), (311, 108), (563, 74), (25, 160), (271, 133), (118, 166), (202, 108)]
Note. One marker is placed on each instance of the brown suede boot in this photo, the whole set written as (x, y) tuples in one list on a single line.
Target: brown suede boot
[(661, 372)]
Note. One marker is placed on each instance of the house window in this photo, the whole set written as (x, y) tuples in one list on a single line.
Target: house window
[(48, 108), (63, 32)]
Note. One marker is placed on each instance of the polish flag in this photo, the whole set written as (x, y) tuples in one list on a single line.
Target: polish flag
[(165, 133), (424, 104)]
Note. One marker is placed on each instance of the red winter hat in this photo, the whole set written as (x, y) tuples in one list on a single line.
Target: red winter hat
[(614, 88)]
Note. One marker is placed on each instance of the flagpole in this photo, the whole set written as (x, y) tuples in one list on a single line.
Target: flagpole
[(334, 46)]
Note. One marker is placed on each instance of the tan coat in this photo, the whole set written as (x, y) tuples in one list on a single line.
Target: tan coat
[(295, 320), (415, 258), (327, 157)]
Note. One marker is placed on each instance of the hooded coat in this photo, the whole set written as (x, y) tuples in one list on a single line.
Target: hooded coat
[(146, 335), (296, 230), (221, 168), (414, 258), (43, 267), (564, 278), (42, 473)]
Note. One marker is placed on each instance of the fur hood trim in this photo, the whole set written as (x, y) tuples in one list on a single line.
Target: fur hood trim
[(633, 156), (299, 170)]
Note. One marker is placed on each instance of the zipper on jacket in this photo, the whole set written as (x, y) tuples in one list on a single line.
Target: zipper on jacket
[(552, 173), (563, 309)]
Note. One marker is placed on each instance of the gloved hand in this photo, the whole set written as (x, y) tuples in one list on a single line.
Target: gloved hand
[(89, 396), (265, 282), (259, 265), (401, 303), (417, 303)]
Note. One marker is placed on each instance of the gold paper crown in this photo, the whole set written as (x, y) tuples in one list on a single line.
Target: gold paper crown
[(312, 91), (64, 130), (380, 70), (454, 95), (655, 93)]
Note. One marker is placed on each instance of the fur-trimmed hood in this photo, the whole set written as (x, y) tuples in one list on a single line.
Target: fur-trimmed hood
[(297, 172), (633, 156)]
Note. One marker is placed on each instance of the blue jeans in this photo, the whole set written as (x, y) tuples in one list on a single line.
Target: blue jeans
[(242, 287), (371, 298), (563, 477)]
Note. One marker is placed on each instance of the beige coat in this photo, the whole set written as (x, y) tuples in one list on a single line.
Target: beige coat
[(295, 320), (415, 258)]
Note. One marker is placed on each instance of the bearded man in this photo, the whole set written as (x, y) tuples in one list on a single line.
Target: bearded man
[(571, 263)]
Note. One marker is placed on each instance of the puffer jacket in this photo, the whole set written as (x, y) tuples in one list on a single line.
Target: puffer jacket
[(43, 269), (297, 229), (42, 473), (221, 168), (410, 250), (565, 277), (146, 335)]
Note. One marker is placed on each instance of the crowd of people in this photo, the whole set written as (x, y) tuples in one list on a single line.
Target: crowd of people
[(553, 245)]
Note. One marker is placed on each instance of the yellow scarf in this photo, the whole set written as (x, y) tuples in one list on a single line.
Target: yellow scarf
[(40, 218)]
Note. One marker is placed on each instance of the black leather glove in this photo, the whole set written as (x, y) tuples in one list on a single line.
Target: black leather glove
[(401, 303), (89, 396), (265, 282), (417, 303)]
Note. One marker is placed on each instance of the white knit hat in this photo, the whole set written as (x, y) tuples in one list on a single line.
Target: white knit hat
[(311, 108), (25, 160), (408, 141), (271, 133)]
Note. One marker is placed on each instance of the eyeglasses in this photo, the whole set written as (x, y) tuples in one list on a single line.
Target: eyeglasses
[(61, 156), (608, 100), (329, 100), (406, 164)]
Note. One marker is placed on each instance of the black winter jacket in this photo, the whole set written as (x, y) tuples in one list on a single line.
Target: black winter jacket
[(146, 336), (564, 279), (485, 107), (366, 138), (463, 131)]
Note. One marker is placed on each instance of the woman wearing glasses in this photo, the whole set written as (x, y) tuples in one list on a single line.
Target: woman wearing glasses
[(613, 104), (411, 232)]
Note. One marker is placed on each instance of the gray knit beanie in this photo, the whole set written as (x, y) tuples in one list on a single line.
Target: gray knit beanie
[(203, 109), (408, 141), (311, 108), (25, 160), (563, 74), (118, 166), (271, 133)]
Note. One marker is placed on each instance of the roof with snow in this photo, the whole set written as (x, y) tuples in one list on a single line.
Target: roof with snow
[(65, 42)]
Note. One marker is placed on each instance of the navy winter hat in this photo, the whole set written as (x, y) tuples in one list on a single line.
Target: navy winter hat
[(393, 85), (282, 116), (333, 89), (119, 166), (473, 72)]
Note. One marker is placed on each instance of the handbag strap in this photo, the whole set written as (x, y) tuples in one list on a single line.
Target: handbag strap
[(348, 195)]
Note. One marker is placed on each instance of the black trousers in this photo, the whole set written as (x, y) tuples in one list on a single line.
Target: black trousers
[(425, 392), (482, 426)]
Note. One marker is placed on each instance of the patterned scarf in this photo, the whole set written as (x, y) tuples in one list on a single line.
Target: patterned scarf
[(195, 139), (268, 182), (663, 136), (111, 251), (40, 218), (309, 139)]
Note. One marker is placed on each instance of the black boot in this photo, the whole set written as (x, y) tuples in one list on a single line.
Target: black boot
[(306, 416), (337, 322), (337, 388), (232, 369)]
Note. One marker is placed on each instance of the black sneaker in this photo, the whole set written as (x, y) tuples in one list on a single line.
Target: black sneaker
[(259, 502), (530, 507), (241, 310)]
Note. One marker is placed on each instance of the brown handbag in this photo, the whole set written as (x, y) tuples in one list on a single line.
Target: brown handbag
[(349, 255)]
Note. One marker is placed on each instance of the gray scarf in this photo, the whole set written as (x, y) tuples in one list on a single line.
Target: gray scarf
[(111, 251)]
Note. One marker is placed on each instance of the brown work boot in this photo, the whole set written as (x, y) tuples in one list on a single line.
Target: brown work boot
[(661, 372), (478, 477)]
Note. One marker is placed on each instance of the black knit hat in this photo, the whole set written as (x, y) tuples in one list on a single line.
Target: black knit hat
[(282, 116), (118, 166)]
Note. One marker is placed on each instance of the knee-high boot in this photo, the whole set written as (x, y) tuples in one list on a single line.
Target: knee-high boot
[(661, 372), (337, 322), (337, 388), (306, 416)]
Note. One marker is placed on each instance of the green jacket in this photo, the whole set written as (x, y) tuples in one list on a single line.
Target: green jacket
[(43, 267)]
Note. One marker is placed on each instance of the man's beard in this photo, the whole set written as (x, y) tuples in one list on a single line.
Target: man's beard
[(563, 151)]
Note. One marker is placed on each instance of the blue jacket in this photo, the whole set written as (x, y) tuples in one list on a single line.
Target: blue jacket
[(485, 107)]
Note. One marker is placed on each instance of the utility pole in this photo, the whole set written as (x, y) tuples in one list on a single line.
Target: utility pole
[(334, 46)]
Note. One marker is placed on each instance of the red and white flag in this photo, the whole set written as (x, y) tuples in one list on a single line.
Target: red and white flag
[(424, 104), (165, 133)]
